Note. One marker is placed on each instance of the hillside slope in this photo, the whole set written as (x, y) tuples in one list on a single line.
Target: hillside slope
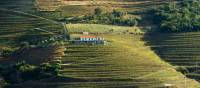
[(124, 62), (179, 49), (17, 27)]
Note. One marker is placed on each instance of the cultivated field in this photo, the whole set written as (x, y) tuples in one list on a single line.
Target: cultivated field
[(17, 27), (123, 63), (179, 49)]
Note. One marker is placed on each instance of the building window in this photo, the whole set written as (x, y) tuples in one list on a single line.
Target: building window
[(82, 39)]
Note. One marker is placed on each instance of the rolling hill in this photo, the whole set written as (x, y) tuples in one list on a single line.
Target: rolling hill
[(120, 60), (125, 62)]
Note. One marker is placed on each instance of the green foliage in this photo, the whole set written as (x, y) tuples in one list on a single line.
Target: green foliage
[(32, 39), (6, 51), (98, 11), (184, 16), (22, 71), (117, 13), (182, 69), (48, 68), (113, 18), (50, 42), (24, 44)]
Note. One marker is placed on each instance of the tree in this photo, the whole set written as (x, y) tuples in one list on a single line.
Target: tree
[(98, 11), (180, 17), (183, 70), (131, 22), (51, 69), (22, 71), (114, 18), (117, 13)]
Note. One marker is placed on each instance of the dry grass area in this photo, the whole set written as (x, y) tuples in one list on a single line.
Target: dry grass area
[(101, 2), (84, 7), (47, 5), (103, 29)]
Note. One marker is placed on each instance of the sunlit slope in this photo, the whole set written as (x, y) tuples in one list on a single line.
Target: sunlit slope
[(125, 62), (179, 49), (99, 28)]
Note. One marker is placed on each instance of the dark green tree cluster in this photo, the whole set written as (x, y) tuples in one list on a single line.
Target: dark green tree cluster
[(5, 52), (22, 71), (101, 17), (182, 16), (183, 70)]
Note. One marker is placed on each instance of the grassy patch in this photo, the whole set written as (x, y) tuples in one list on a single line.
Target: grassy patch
[(98, 28)]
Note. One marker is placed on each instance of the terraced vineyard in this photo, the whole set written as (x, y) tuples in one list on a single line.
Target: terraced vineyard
[(118, 65), (181, 49), (17, 22), (121, 64), (17, 27)]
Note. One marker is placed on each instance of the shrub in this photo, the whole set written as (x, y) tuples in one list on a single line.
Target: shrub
[(52, 69), (6, 52), (98, 11), (117, 13), (22, 71), (182, 69)]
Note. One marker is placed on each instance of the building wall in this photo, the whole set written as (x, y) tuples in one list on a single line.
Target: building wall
[(91, 39)]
